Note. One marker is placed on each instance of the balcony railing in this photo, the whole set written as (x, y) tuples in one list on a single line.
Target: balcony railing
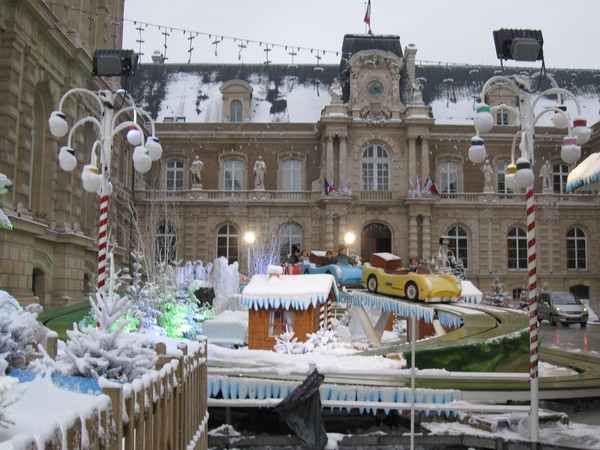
[(498, 198)]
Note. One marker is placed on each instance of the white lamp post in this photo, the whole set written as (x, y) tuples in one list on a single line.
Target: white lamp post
[(96, 174), (519, 174)]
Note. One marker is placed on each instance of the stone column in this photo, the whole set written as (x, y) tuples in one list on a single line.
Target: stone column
[(343, 163), (328, 169), (413, 238), (426, 250), (425, 160), (412, 159)]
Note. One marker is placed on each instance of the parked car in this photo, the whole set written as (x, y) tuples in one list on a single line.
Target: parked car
[(562, 307), (384, 275)]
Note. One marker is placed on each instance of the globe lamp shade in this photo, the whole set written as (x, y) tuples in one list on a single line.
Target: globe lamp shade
[(57, 123), (109, 187), (477, 150), (154, 147), (5, 184), (141, 159), (91, 178), (483, 118), (570, 151), (581, 131), (509, 177), (560, 120), (524, 175), (66, 159), (249, 237), (134, 136)]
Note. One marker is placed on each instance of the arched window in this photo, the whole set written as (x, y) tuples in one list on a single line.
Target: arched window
[(448, 177), (560, 172), (291, 178), (290, 234), (517, 248), (232, 176), (166, 244), (375, 168), (501, 174), (459, 244), (235, 111), (228, 243), (174, 176), (576, 249), (375, 238)]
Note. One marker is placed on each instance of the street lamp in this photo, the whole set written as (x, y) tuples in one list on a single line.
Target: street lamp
[(96, 174), (526, 45)]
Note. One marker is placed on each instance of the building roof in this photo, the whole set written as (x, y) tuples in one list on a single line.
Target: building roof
[(288, 291)]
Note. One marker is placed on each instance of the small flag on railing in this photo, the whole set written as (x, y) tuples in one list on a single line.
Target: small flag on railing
[(328, 188), (430, 186), (367, 18)]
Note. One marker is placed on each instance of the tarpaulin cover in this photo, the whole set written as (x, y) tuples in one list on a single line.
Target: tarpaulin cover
[(301, 410)]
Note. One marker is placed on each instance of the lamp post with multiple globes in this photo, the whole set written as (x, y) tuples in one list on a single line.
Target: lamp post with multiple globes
[(519, 173), (112, 119)]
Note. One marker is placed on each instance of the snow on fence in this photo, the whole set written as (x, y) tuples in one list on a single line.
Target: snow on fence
[(165, 409)]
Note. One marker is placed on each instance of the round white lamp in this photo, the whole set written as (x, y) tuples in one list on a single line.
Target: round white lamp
[(570, 151), (91, 178), (581, 131), (477, 150), (57, 123), (154, 147), (66, 159), (349, 238), (249, 237), (509, 177), (483, 118), (141, 159), (524, 175), (134, 136)]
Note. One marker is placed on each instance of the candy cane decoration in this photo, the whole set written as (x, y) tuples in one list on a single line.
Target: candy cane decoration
[(102, 242), (322, 316), (329, 308), (531, 267)]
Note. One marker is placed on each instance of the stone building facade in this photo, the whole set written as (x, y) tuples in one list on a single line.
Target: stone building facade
[(354, 157)]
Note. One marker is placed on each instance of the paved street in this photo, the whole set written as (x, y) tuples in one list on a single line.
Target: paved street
[(572, 337)]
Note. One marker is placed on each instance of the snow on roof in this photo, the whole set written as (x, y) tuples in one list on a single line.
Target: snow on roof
[(387, 256), (470, 293), (586, 175), (288, 291)]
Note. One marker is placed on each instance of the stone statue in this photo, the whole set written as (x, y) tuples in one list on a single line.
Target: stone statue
[(335, 90), (417, 92), (546, 173), (260, 168), (196, 172), (487, 176)]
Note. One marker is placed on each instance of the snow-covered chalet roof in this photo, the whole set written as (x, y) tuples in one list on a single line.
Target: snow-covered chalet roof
[(288, 291)]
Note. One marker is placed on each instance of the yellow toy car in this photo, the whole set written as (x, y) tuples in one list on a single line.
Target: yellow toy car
[(383, 275)]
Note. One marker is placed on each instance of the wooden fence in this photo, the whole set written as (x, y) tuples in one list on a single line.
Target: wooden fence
[(165, 409)]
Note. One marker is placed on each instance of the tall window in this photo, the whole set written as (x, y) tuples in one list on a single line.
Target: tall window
[(228, 243), (559, 177), (375, 169), (501, 174), (448, 177), (290, 234), (233, 175), (280, 321), (174, 179), (235, 111), (166, 244), (576, 249), (459, 244), (502, 117), (517, 248), (291, 175)]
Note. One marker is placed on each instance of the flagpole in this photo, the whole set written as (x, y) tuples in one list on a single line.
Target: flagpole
[(367, 18)]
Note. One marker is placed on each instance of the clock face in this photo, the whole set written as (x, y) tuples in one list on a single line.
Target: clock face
[(375, 89)]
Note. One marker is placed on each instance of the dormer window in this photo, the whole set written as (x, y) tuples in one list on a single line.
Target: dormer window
[(236, 101)]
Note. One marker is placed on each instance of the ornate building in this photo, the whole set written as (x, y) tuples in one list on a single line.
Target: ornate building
[(344, 148)]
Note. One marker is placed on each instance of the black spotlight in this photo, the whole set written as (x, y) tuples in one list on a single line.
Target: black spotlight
[(519, 45), (114, 63)]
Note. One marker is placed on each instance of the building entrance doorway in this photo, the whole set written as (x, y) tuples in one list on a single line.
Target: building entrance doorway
[(375, 238)]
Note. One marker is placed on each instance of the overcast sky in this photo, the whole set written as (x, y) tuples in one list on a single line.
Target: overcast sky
[(455, 31)]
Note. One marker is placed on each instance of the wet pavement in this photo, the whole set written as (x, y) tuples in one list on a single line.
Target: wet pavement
[(572, 337)]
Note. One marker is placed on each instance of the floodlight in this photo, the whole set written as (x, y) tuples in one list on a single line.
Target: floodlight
[(114, 63), (519, 45)]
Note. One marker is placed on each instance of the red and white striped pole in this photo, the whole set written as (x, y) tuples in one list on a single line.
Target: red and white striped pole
[(322, 316), (533, 319), (329, 313), (102, 240)]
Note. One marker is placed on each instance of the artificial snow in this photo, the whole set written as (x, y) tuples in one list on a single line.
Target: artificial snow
[(230, 328)]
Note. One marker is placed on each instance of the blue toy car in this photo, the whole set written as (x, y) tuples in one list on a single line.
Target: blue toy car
[(344, 274)]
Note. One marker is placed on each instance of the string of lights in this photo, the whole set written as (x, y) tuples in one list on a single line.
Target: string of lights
[(215, 39)]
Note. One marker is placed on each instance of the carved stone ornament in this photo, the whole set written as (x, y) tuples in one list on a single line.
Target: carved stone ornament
[(375, 116)]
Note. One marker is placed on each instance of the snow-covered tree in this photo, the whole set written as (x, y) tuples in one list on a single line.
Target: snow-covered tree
[(264, 251), (497, 297), (17, 331), (8, 394)]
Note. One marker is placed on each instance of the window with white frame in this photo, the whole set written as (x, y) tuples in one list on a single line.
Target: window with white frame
[(289, 235), (228, 243), (232, 175), (502, 117), (166, 244), (448, 177), (291, 176), (576, 249), (560, 172), (459, 244), (375, 168), (174, 176), (501, 178), (517, 248), (280, 321), (235, 111)]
